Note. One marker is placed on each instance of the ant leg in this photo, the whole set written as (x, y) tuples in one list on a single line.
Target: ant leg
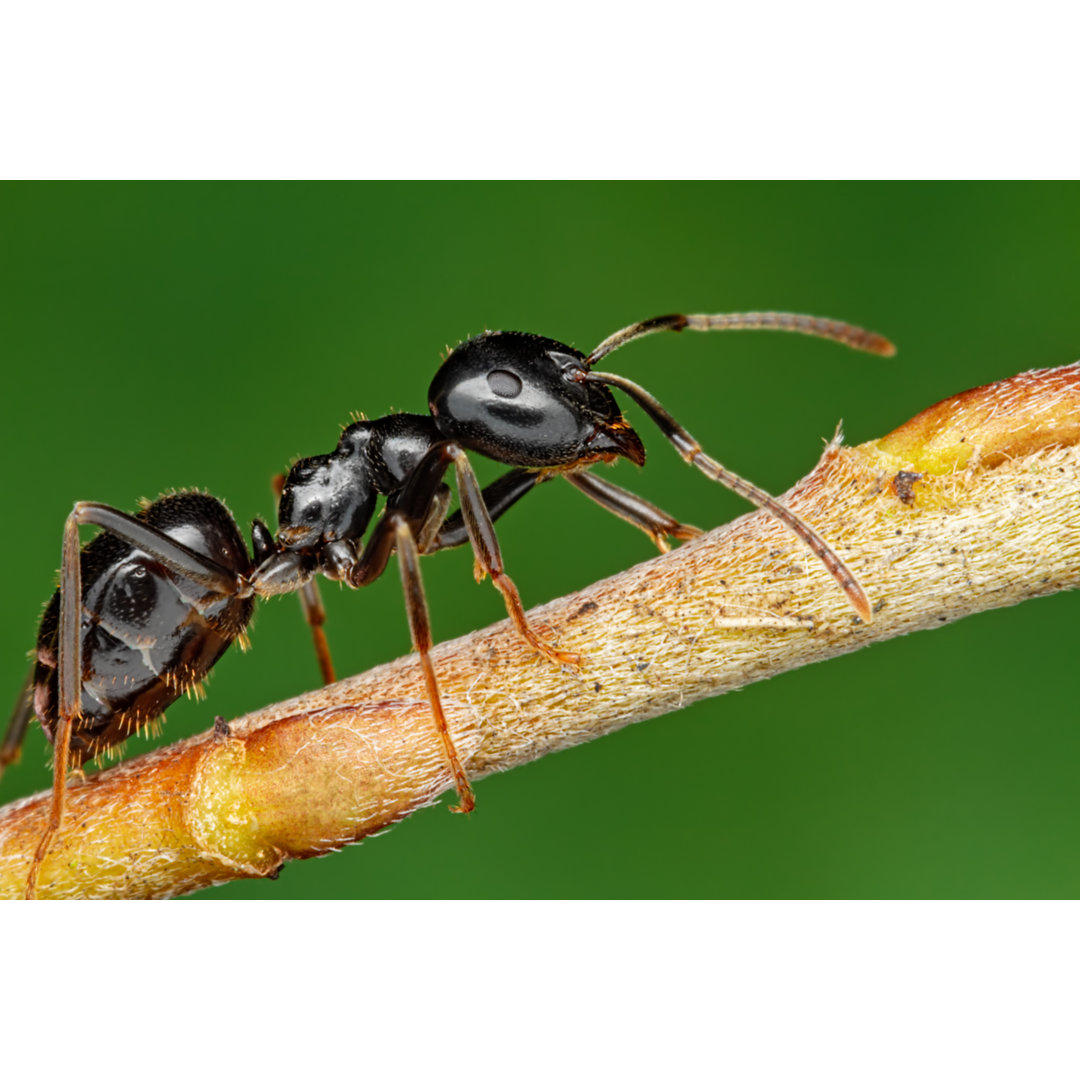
[(70, 685), (413, 508), (160, 546), (19, 722), (499, 496), (651, 520), (420, 629), (312, 606), (433, 523), (502, 493), (692, 453), (489, 559), (315, 614), (416, 503)]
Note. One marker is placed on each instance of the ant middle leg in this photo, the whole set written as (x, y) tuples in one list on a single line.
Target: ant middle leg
[(499, 496), (430, 530), (408, 516), (315, 615)]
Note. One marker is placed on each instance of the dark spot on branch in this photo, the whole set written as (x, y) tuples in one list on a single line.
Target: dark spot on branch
[(904, 485), (585, 608)]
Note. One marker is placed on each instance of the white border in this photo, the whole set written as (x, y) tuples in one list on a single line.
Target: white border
[(584, 89)]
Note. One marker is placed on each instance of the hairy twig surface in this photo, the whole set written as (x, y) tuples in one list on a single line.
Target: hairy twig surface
[(973, 504)]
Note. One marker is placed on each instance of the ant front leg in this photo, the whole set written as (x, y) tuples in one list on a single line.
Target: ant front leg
[(489, 558), (691, 452), (651, 520), (69, 661)]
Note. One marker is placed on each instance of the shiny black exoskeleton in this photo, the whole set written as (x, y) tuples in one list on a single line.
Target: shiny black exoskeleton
[(524, 400), (519, 399), (148, 634), (146, 608)]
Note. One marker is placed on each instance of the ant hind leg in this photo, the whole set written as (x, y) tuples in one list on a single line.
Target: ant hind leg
[(70, 685)]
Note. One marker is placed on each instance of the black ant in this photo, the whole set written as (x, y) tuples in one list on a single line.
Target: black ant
[(165, 592)]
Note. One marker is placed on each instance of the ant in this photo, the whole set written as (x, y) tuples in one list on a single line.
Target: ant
[(166, 591)]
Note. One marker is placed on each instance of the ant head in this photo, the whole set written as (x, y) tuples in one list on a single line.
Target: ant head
[(523, 400)]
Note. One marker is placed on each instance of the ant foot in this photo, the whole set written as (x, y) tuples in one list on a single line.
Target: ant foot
[(557, 656), (466, 801)]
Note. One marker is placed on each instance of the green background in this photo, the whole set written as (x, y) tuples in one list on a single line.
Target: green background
[(162, 336)]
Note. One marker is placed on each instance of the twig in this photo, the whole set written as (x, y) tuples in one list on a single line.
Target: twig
[(973, 504)]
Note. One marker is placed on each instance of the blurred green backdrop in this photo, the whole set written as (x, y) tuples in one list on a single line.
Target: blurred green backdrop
[(158, 336)]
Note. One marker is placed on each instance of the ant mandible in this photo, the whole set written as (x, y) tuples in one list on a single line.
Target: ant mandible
[(166, 591)]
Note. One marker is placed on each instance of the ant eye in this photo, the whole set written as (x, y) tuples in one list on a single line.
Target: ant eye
[(504, 384)]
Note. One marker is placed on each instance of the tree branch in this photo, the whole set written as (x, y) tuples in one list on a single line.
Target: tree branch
[(973, 504)]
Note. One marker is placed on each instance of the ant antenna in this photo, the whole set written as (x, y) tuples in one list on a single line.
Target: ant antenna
[(854, 337)]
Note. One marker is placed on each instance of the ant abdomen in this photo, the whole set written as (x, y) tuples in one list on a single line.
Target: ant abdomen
[(147, 634)]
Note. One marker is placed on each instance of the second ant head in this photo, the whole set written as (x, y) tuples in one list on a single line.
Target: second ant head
[(520, 399)]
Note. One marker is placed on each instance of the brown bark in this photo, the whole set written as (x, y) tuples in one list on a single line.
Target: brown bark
[(973, 504)]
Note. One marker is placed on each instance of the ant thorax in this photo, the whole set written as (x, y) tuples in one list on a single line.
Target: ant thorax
[(332, 497)]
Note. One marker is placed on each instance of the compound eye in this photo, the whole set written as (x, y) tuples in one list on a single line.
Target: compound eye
[(504, 384)]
